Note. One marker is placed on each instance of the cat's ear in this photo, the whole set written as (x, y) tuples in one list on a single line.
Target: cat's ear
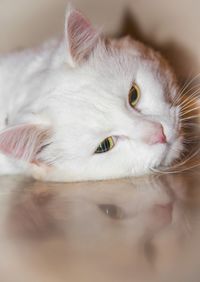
[(24, 142), (81, 38)]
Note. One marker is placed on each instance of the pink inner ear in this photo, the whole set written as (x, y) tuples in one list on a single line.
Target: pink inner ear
[(77, 23), (24, 141), (82, 36)]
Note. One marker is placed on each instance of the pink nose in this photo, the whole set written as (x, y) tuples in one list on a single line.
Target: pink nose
[(158, 137)]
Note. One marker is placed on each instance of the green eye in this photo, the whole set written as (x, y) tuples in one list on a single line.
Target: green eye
[(106, 145), (134, 95)]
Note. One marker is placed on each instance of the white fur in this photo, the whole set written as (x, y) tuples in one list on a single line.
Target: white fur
[(85, 102)]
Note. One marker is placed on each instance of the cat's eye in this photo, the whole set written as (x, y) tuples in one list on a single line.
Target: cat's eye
[(106, 145), (134, 95), (112, 211)]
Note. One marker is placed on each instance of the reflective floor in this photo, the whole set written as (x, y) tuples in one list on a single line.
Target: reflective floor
[(133, 230)]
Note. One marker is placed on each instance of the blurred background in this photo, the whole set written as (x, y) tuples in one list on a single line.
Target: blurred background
[(170, 26)]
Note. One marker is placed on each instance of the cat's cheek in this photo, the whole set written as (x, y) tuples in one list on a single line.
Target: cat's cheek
[(175, 152)]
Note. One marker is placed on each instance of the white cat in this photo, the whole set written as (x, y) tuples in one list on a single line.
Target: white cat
[(87, 108)]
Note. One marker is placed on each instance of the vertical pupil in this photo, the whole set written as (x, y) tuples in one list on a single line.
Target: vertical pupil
[(106, 144), (134, 95)]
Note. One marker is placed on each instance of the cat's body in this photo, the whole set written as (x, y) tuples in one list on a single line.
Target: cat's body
[(60, 101), (22, 74)]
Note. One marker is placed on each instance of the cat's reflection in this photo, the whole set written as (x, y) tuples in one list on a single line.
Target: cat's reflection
[(40, 209), (117, 223), (112, 211)]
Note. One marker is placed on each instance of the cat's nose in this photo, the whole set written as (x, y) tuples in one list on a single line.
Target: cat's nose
[(158, 137)]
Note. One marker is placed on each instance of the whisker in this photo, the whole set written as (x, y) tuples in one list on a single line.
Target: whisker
[(190, 82), (183, 91), (192, 98), (188, 111), (179, 164), (184, 88), (191, 117)]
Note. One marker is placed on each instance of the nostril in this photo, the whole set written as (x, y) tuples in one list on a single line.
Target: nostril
[(158, 137), (162, 138), (153, 133)]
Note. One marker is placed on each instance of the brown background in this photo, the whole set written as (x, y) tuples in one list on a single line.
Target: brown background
[(171, 26)]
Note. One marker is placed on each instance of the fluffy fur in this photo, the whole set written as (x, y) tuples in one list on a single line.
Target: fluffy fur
[(60, 101)]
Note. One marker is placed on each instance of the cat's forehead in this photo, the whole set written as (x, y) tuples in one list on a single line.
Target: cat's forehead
[(123, 66), (112, 74), (100, 89)]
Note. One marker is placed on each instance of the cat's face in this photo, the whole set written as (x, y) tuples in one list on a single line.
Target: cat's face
[(111, 111)]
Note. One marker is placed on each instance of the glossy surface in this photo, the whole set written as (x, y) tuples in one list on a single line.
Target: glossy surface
[(125, 230)]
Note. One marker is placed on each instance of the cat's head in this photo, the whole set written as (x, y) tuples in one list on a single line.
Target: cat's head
[(108, 110)]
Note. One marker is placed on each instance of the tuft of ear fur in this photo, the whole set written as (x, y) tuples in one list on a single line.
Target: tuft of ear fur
[(24, 142), (81, 37)]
